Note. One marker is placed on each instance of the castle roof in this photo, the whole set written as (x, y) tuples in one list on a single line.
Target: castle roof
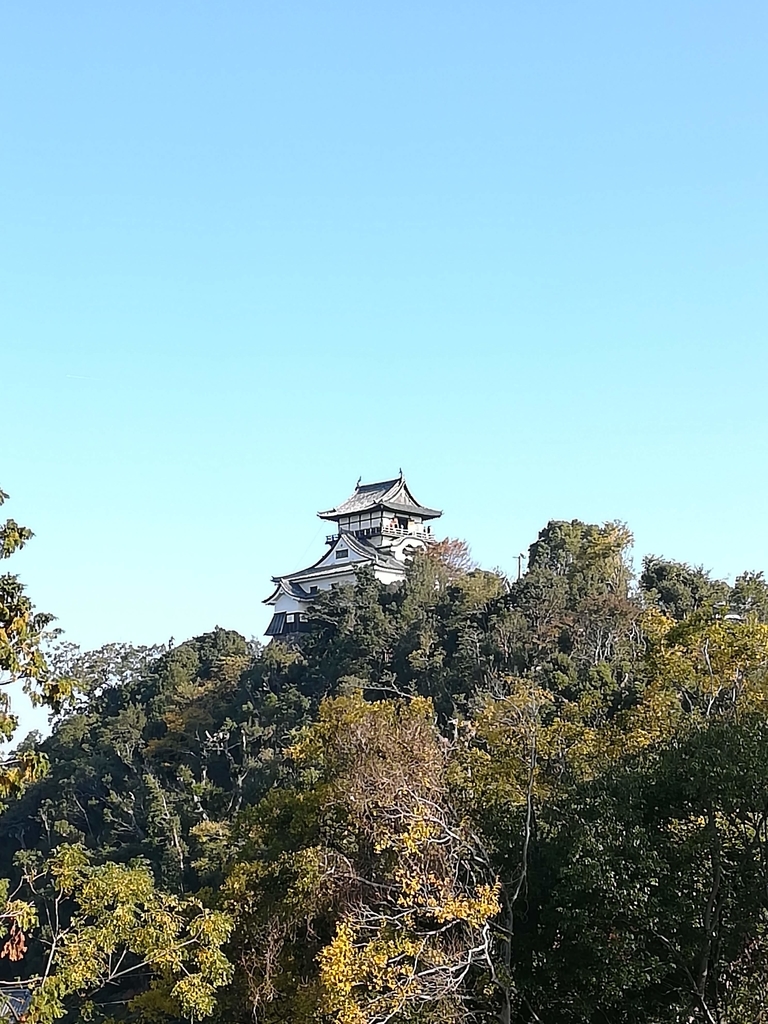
[(290, 583), (390, 495)]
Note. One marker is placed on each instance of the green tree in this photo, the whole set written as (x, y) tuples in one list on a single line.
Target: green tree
[(104, 926), (679, 589), (360, 894), (656, 902), (750, 595), (22, 630)]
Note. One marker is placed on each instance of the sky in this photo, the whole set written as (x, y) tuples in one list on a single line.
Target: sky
[(252, 251)]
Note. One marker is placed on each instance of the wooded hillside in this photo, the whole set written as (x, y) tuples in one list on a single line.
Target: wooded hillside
[(462, 798)]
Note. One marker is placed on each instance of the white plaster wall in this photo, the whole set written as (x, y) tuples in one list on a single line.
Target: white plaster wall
[(387, 576), (287, 603), (331, 559)]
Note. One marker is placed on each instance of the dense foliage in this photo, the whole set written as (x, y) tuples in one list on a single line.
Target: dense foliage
[(456, 799)]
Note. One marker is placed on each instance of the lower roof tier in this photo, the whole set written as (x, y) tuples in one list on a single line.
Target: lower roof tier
[(346, 553)]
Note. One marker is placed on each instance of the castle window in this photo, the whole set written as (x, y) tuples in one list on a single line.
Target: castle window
[(342, 553), (313, 590)]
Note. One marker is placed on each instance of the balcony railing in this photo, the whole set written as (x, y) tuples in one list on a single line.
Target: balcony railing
[(402, 531), (385, 531)]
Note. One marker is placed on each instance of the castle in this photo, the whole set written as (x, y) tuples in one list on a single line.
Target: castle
[(380, 525)]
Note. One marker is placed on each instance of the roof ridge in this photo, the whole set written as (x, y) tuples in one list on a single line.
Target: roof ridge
[(378, 483), (380, 493)]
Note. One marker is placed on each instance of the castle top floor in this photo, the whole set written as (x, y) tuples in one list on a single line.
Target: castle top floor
[(381, 513)]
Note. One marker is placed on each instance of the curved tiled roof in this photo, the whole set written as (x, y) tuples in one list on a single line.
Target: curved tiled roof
[(367, 552), (285, 584), (388, 494)]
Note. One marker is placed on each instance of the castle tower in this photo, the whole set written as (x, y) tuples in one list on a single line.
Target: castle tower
[(380, 525)]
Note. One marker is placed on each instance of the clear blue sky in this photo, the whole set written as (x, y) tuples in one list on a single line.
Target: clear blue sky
[(253, 250)]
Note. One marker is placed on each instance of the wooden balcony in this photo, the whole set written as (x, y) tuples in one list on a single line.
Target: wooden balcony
[(385, 531)]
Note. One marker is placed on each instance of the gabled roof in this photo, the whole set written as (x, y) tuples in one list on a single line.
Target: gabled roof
[(285, 585), (359, 545), (367, 554), (393, 495)]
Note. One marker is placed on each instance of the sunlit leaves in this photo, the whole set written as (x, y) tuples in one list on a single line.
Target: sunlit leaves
[(118, 923), (384, 865), (21, 632)]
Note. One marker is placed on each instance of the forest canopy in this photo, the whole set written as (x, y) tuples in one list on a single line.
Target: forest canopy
[(461, 798)]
